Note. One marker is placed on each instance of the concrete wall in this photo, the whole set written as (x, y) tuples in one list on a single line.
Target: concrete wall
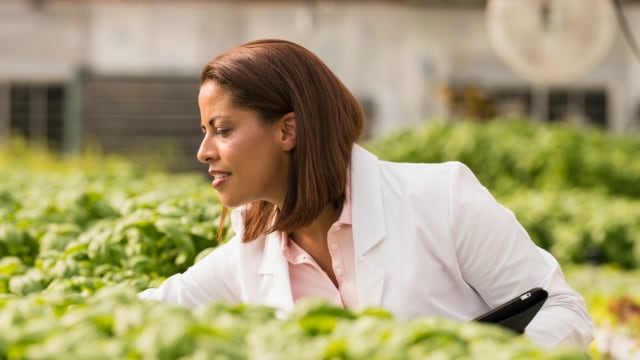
[(395, 56)]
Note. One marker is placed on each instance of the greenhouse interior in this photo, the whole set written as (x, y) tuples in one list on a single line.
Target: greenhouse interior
[(105, 189)]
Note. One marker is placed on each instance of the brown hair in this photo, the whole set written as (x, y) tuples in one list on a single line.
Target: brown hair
[(273, 78)]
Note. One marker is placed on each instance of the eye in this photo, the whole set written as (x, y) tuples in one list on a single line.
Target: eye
[(222, 131)]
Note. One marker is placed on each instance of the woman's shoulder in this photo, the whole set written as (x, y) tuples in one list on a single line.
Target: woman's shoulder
[(438, 172), (429, 180), (423, 177)]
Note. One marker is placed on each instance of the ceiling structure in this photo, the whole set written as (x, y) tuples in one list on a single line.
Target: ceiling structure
[(453, 3), (428, 3)]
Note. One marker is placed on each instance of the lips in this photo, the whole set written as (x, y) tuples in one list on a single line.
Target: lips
[(218, 177)]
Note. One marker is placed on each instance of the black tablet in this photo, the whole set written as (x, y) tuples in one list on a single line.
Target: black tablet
[(516, 313)]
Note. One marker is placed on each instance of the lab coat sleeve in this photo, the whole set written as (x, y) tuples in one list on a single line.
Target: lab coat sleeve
[(498, 259), (210, 279)]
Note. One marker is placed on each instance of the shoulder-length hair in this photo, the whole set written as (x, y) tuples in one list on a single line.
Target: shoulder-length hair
[(273, 78)]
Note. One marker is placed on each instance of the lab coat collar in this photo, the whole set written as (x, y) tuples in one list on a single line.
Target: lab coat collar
[(368, 226), (366, 196)]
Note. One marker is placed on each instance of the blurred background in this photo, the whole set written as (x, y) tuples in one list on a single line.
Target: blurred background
[(540, 98), (123, 74)]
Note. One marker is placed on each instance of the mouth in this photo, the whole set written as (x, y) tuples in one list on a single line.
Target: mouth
[(218, 178), (221, 176)]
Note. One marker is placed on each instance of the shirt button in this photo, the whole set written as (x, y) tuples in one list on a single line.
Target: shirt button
[(333, 246), (338, 271)]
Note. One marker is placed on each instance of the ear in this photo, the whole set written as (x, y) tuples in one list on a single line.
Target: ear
[(288, 133)]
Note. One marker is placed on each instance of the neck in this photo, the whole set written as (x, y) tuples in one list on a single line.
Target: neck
[(315, 234), (313, 239)]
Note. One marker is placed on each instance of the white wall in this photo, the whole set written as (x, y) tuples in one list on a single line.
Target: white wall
[(630, 87), (395, 55), (40, 45)]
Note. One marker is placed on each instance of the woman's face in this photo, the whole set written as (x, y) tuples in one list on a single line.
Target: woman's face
[(247, 158)]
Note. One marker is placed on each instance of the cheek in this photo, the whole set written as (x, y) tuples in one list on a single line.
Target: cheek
[(264, 162), (249, 156), (253, 153), (267, 166)]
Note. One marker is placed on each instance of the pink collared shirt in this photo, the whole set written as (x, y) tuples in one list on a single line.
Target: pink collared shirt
[(306, 276)]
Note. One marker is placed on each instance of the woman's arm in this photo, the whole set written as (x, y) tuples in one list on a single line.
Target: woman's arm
[(499, 260), (210, 279)]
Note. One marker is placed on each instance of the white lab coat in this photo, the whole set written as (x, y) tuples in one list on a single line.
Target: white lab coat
[(429, 240)]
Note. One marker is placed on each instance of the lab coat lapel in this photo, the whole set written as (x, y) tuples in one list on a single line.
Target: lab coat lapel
[(367, 224), (275, 289)]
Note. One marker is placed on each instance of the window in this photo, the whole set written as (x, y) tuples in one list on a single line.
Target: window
[(36, 112), (588, 106), (576, 105)]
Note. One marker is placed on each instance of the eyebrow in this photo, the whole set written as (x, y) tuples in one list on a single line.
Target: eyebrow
[(212, 121)]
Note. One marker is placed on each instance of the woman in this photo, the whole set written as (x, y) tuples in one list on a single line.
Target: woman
[(315, 215)]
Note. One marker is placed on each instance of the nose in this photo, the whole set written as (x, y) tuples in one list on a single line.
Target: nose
[(207, 151)]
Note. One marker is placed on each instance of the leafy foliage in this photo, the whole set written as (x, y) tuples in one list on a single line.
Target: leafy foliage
[(80, 236), (511, 154), (114, 324), (80, 227)]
